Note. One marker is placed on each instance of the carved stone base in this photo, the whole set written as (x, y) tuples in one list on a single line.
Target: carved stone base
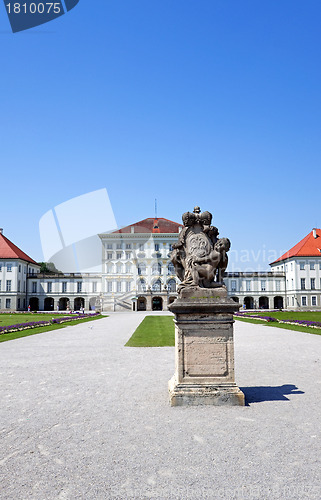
[(200, 394), (204, 349)]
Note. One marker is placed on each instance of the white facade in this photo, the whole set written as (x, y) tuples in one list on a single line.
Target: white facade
[(13, 283)]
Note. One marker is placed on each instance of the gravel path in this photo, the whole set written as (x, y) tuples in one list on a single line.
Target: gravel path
[(83, 417)]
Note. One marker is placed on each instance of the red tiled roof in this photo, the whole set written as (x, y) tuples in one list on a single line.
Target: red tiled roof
[(308, 247), (9, 250), (152, 225)]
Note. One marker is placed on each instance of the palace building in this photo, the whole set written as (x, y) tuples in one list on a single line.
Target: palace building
[(137, 274)]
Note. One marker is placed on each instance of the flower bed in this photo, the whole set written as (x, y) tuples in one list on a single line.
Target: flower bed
[(37, 324), (301, 322)]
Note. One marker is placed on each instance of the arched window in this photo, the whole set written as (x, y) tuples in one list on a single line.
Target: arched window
[(119, 268), (157, 268), (142, 286), (157, 286), (171, 285), (110, 268)]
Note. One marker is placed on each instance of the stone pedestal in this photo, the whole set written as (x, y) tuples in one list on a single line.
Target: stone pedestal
[(204, 349)]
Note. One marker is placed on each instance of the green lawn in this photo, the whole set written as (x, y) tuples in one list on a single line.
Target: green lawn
[(12, 319), (154, 331)]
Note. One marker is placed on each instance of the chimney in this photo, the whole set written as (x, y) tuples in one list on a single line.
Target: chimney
[(1, 230), (314, 231)]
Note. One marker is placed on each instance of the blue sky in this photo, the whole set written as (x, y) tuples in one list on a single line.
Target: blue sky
[(207, 102)]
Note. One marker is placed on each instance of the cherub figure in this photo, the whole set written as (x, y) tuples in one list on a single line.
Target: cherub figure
[(203, 269)]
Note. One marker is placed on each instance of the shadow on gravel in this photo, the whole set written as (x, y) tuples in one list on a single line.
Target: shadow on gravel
[(260, 394)]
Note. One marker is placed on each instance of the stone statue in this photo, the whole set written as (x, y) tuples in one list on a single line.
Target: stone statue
[(199, 256)]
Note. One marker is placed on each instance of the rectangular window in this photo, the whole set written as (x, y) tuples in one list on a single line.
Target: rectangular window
[(128, 268), (19, 268), (109, 246), (302, 283), (109, 286), (8, 286), (170, 247), (9, 268), (293, 301), (118, 246), (141, 247), (314, 301), (0, 285), (64, 286), (304, 301), (119, 255), (278, 285), (128, 286), (49, 287), (79, 286), (263, 285), (128, 255), (128, 245), (312, 283), (8, 303), (302, 266), (233, 285), (156, 247), (319, 266), (109, 255), (291, 266), (19, 303), (248, 286), (312, 266), (118, 286), (94, 286), (1, 267), (34, 287)]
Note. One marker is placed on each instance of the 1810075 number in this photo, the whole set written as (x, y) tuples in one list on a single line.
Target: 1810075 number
[(33, 8)]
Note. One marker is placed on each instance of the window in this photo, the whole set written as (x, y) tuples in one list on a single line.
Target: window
[(8, 286), (157, 285), (0, 267), (109, 255), (9, 268), (304, 301), (302, 266), (25, 270), (314, 301), (156, 247), (79, 286), (19, 285), (64, 286), (94, 286), (248, 286), (157, 268), (34, 287), (110, 268), (109, 286), (128, 268), (233, 285), (141, 247), (319, 266), (119, 255), (119, 268), (293, 301), (0, 285), (128, 286), (278, 285), (291, 266), (49, 287), (19, 268), (302, 283), (170, 247), (292, 284), (142, 286), (128, 255), (109, 246), (118, 286), (312, 283), (263, 285), (312, 266), (141, 268), (8, 303), (171, 286), (170, 268), (128, 245), (119, 246), (19, 303)]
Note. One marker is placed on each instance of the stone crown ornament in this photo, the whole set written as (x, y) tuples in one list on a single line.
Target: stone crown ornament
[(200, 257)]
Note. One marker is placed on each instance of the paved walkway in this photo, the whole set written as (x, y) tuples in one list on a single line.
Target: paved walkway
[(83, 417)]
